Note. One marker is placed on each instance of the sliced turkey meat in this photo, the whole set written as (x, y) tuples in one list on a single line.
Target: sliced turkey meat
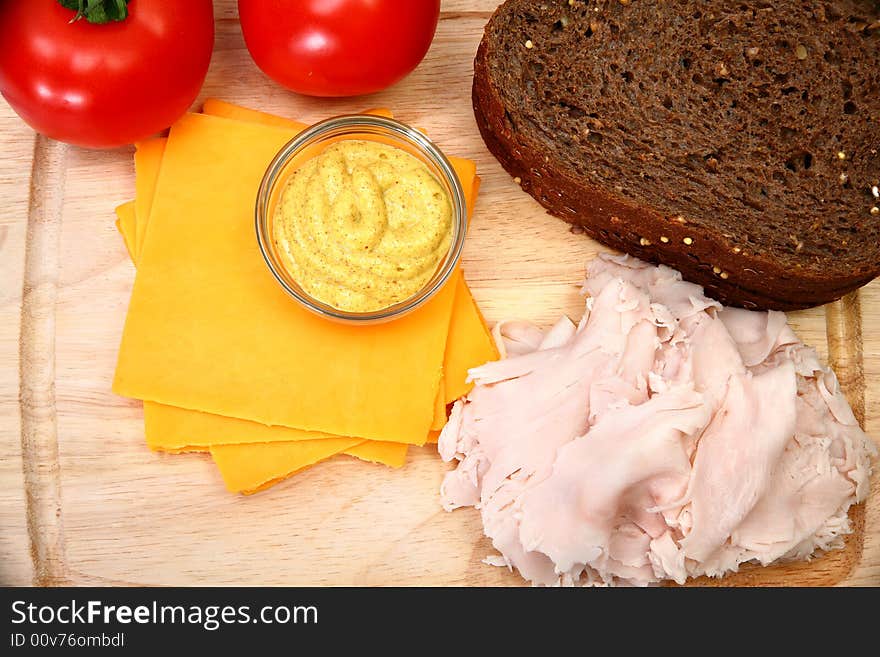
[(663, 437)]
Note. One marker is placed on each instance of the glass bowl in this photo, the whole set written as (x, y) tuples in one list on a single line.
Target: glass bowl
[(312, 142)]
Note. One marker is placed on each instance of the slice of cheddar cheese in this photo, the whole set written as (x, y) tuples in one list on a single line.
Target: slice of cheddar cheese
[(146, 154), (377, 451), (178, 429), (244, 467), (174, 430), (208, 328), (389, 453), (126, 224), (470, 344)]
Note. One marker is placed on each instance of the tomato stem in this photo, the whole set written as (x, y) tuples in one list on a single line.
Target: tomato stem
[(97, 12)]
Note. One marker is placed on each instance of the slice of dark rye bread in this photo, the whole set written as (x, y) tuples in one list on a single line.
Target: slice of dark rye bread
[(735, 141)]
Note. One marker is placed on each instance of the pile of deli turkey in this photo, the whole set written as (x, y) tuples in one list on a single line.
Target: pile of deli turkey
[(663, 437)]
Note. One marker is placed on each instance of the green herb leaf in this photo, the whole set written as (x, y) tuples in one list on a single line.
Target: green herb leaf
[(120, 10), (97, 12)]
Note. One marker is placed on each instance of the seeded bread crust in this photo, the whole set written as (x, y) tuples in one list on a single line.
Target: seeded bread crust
[(753, 274)]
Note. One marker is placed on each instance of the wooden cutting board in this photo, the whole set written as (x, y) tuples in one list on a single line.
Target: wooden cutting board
[(82, 499)]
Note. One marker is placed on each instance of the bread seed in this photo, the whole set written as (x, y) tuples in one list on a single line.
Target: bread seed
[(843, 178), (725, 275), (664, 239), (736, 249), (517, 180), (644, 241), (801, 51), (688, 240), (875, 210), (529, 44), (875, 191), (717, 270), (841, 155)]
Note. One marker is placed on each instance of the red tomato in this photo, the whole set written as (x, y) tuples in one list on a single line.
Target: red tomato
[(338, 47), (102, 86)]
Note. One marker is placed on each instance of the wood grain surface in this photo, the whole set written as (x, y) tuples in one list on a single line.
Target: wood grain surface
[(82, 499)]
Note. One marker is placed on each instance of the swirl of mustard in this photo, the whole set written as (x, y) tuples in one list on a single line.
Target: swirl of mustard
[(363, 225)]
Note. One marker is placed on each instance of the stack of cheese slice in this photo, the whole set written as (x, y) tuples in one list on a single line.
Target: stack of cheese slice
[(226, 363)]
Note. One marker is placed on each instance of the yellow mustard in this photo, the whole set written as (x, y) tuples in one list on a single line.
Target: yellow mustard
[(363, 225)]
